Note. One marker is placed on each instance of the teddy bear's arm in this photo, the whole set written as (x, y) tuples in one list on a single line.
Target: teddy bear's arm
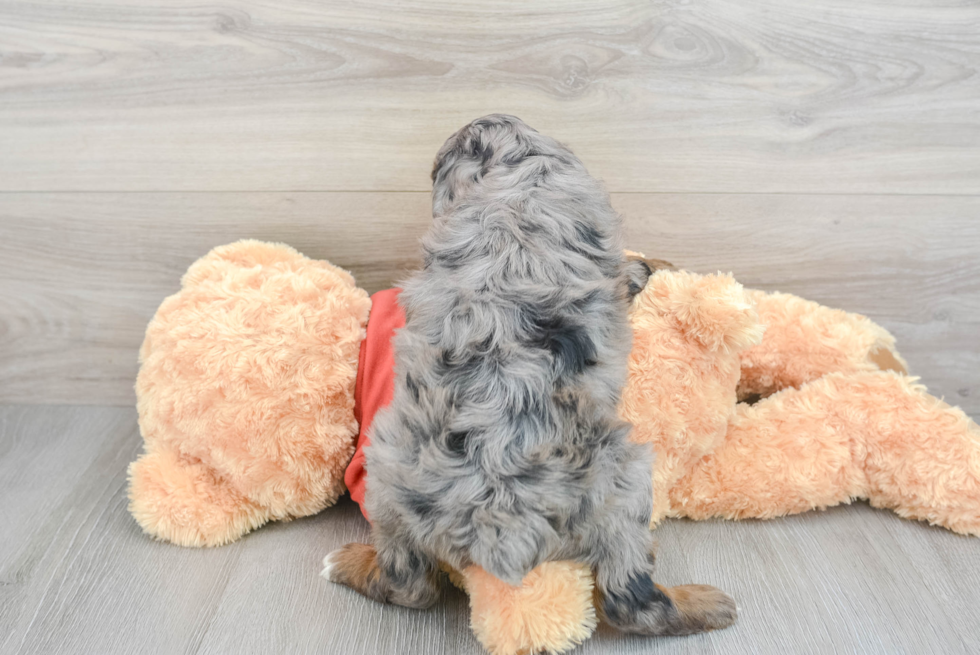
[(805, 340)]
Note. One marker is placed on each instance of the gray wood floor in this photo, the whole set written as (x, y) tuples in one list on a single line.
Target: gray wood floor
[(821, 147), (78, 576)]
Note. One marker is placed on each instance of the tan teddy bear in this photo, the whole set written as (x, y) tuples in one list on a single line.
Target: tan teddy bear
[(247, 402)]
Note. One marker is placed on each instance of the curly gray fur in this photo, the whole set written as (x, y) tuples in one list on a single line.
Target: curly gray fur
[(502, 446)]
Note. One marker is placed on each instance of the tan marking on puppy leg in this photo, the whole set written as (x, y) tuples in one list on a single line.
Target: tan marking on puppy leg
[(356, 566), (699, 608)]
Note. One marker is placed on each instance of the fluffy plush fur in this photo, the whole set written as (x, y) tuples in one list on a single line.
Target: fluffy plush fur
[(838, 420), (245, 394), (835, 419), (552, 610), (828, 425), (502, 447), (683, 370), (805, 341)]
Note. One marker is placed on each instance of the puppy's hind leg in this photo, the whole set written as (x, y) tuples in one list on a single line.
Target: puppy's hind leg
[(393, 570), (623, 562)]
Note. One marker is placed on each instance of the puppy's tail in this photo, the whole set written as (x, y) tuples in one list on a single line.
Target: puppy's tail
[(509, 548)]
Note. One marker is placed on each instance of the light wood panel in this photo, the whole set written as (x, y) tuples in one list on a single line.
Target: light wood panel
[(81, 274), (78, 576), (827, 148), (704, 95)]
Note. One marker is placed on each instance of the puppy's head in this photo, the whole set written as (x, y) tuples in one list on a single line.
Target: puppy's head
[(483, 146)]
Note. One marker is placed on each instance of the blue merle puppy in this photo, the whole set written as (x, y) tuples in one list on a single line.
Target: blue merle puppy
[(502, 446)]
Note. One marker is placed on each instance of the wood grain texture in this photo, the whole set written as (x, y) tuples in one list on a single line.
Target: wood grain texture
[(78, 576), (826, 148), (671, 95), (82, 273)]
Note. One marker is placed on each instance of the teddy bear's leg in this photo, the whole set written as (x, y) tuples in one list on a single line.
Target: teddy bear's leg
[(550, 611), (185, 502), (782, 455), (875, 435), (393, 570), (805, 341), (620, 547), (921, 456)]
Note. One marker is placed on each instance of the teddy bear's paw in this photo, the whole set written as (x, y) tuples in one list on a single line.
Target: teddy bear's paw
[(715, 311), (711, 310)]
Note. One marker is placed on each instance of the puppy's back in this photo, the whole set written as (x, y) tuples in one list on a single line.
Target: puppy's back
[(510, 365)]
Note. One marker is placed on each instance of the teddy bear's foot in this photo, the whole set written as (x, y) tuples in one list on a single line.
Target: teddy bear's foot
[(186, 503), (550, 611), (921, 456), (675, 611)]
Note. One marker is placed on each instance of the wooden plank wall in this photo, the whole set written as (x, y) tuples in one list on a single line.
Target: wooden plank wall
[(822, 147)]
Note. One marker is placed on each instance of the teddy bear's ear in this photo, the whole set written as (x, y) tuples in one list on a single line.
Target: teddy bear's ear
[(714, 309)]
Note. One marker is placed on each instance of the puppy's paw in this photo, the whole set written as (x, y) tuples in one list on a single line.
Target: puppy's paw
[(655, 610), (329, 565), (701, 608), (354, 565)]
